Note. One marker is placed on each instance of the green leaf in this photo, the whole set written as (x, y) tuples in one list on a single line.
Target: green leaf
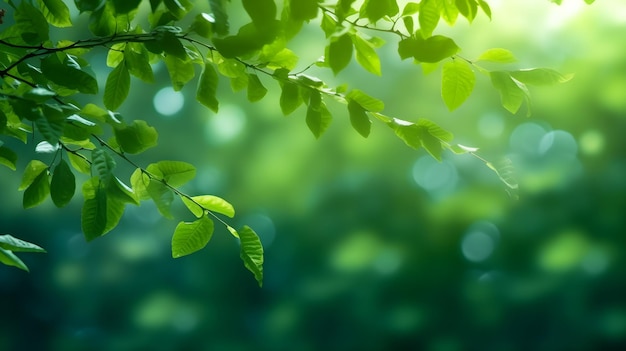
[(11, 243), (497, 55), (8, 157), (125, 6), (303, 10), (428, 17), (252, 252), (485, 7), (262, 12), (79, 163), (56, 12), (68, 74), (180, 71), (87, 5), (290, 97), (140, 182), (540, 76), (136, 137), (137, 61), (512, 92), (120, 192), (256, 90), (51, 123), (220, 15), (39, 94), (179, 8), (31, 24), (366, 56), (62, 185), (117, 87), (339, 52), (190, 237), (369, 103), (358, 118), (174, 173), (208, 202), (103, 164), (8, 258), (411, 8), (467, 8), (38, 191), (162, 197), (457, 83), (32, 170), (377, 9), (94, 212), (203, 25), (318, 117), (172, 45), (206, 93), (449, 11)]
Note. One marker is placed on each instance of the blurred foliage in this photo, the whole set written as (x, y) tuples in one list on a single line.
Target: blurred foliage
[(369, 245)]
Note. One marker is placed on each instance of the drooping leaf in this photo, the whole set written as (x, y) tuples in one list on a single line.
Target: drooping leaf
[(428, 16), (190, 237), (449, 11), (262, 12), (62, 185), (125, 6), (180, 71), (103, 164), (120, 192), (512, 92), (303, 10), (457, 83), (290, 97), (172, 45), (32, 170), (358, 118), (206, 93), (137, 61), (467, 8), (139, 182), (117, 87), (252, 252), (162, 196), (208, 202), (339, 52), (318, 118), (51, 123), (37, 191), (366, 56), (136, 137), (94, 214), (256, 90)]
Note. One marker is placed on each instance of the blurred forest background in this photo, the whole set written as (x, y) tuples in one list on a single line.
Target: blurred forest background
[(369, 244)]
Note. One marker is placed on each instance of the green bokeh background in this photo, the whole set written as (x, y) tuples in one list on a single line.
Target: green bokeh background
[(369, 245)]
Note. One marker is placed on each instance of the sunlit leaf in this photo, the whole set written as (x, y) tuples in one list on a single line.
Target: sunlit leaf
[(190, 237), (8, 258), (366, 56), (174, 173), (540, 76), (369, 103), (457, 83), (32, 170), (497, 55), (428, 16), (37, 191), (11, 243), (512, 92), (199, 204)]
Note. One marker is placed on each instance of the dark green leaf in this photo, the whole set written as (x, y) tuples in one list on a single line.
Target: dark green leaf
[(62, 185), (136, 137), (262, 12), (339, 52), (220, 15), (120, 192), (203, 25), (172, 45), (68, 74), (178, 8), (102, 21), (8, 157), (39, 94), (318, 117), (252, 252), (87, 5), (206, 93), (94, 212), (191, 237), (303, 10), (137, 61), (125, 6), (358, 118), (117, 87), (290, 97), (31, 23), (256, 90), (377, 9), (37, 191), (103, 165)]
